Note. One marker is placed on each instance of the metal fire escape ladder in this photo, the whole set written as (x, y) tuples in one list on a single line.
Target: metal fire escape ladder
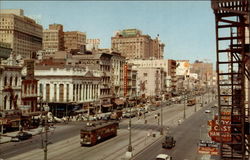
[(231, 69)]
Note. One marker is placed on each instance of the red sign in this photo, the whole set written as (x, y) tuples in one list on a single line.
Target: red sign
[(208, 150), (125, 80), (220, 131)]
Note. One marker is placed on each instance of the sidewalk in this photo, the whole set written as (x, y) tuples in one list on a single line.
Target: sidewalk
[(5, 138)]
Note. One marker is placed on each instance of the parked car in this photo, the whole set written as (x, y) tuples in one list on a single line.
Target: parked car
[(207, 111), (163, 157), (21, 136)]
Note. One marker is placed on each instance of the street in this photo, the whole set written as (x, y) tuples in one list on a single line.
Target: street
[(65, 140), (187, 136)]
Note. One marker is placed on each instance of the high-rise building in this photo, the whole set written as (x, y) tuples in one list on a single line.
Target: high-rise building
[(92, 44), (22, 33), (75, 41), (5, 50), (204, 70), (53, 39), (134, 45)]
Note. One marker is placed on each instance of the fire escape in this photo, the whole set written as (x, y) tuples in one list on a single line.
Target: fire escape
[(232, 19)]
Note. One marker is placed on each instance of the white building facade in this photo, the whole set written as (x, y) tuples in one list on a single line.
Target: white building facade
[(10, 84), (67, 84)]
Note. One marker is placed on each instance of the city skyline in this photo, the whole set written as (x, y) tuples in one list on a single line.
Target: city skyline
[(192, 38)]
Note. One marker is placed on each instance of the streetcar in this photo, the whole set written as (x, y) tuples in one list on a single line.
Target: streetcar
[(98, 132)]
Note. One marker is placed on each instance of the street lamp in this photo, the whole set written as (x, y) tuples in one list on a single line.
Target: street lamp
[(129, 151), (46, 109), (184, 112), (161, 130), (129, 145), (195, 109)]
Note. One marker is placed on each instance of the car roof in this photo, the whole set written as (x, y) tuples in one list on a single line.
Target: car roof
[(162, 156)]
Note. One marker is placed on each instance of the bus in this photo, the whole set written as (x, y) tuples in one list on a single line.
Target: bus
[(98, 132)]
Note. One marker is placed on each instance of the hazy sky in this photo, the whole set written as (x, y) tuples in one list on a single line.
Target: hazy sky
[(185, 27)]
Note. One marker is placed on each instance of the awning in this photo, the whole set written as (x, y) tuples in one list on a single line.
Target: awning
[(107, 105), (119, 102), (81, 111), (34, 113), (6, 121)]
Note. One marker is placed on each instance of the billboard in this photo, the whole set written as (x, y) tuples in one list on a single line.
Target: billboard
[(211, 148), (125, 79), (30, 69), (220, 133)]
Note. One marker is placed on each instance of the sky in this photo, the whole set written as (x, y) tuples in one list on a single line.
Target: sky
[(187, 28)]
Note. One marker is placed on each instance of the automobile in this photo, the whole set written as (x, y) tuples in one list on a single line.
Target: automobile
[(21, 136), (153, 108), (163, 157), (214, 106), (168, 142), (207, 111)]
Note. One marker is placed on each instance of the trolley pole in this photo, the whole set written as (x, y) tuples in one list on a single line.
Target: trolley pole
[(184, 113), (46, 133), (129, 145), (195, 109), (161, 121), (46, 138)]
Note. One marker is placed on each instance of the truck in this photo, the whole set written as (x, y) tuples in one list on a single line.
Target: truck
[(191, 102), (168, 142)]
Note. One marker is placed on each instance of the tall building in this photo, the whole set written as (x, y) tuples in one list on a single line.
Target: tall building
[(204, 70), (75, 41), (132, 44), (53, 39), (5, 50), (92, 44), (168, 66), (23, 33), (156, 48)]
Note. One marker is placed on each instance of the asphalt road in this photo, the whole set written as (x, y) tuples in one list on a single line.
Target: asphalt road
[(65, 139), (61, 132), (187, 135)]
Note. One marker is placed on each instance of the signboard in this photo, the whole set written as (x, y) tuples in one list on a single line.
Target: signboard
[(220, 131), (24, 107), (30, 69), (125, 79), (211, 148)]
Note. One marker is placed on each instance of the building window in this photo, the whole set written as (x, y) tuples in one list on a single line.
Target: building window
[(11, 99), (5, 103), (41, 90), (5, 81), (16, 81), (61, 92), (67, 93), (47, 92), (11, 81), (55, 92)]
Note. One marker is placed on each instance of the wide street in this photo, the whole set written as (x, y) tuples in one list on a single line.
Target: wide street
[(187, 136), (65, 139)]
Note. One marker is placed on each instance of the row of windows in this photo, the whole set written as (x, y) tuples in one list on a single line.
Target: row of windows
[(12, 101), (10, 82)]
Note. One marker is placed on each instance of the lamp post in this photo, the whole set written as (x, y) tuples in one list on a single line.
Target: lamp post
[(195, 109), (161, 130), (184, 113), (46, 108), (129, 145)]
